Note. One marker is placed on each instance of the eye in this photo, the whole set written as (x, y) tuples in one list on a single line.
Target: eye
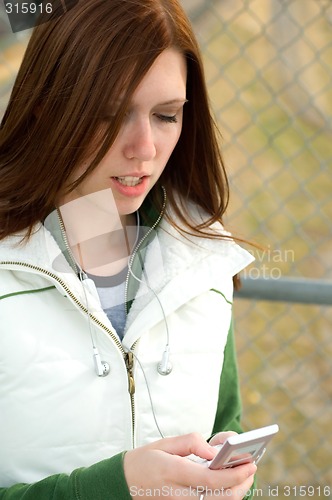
[(167, 118)]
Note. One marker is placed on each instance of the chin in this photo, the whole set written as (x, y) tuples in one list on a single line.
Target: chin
[(129, 208)]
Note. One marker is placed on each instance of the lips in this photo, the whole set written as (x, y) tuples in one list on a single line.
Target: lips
[(131, 185)]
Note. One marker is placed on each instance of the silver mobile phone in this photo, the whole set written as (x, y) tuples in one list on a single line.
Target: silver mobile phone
[(244, 448)]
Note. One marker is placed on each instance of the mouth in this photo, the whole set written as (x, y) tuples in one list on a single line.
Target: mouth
[(129, 180)]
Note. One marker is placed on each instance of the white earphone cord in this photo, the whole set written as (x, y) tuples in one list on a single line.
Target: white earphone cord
[(164, 367), (149, 393)]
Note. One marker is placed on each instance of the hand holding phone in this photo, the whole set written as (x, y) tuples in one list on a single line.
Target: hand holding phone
[(243, 448)]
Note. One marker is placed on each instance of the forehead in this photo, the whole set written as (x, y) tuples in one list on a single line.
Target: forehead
[(165, 81)]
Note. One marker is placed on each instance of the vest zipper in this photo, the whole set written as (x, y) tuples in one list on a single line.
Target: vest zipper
[(130, 365), (130, 354)]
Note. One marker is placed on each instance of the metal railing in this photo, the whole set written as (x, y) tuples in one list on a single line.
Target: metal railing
[(299, 290)]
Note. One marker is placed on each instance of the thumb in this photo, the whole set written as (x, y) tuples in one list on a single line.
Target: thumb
[(221, 437)]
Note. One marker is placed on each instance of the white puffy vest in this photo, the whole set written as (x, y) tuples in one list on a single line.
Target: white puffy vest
[(56, 414)]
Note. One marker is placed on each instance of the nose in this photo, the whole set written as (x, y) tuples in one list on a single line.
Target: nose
[(140, 141)]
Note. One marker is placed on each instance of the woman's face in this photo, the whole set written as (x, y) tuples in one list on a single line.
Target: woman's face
[(147, 137)]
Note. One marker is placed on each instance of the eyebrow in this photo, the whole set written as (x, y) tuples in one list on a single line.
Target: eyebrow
[(117, 103), (173, 101)]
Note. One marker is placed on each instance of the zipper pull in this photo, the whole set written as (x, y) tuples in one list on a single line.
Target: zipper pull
[(129, 360)]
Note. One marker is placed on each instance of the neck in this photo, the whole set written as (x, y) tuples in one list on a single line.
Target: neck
[(100, 239), (106, 254)]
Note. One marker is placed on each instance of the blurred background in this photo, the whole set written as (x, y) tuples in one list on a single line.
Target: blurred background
[(269, 71)]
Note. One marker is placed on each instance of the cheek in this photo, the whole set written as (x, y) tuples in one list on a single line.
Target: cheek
[(92, 181), (169, 144)]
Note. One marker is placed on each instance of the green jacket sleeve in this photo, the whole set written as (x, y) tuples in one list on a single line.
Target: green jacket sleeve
[(104, 480), (229, 410)]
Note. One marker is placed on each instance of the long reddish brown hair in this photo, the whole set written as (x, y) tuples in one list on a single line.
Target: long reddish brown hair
[(74, 68)]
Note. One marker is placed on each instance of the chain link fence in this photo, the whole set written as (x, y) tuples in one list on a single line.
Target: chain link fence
[(269, 69), (268, 65)]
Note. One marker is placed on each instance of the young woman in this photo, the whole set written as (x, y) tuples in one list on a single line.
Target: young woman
[(116, 275)]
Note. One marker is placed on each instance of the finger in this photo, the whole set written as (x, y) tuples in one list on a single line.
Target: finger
[(195, 475), (186, 445), (240, 491), (236, 493)]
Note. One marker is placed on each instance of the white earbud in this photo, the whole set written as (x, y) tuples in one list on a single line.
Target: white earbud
[(102, 367), (165, 366)]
